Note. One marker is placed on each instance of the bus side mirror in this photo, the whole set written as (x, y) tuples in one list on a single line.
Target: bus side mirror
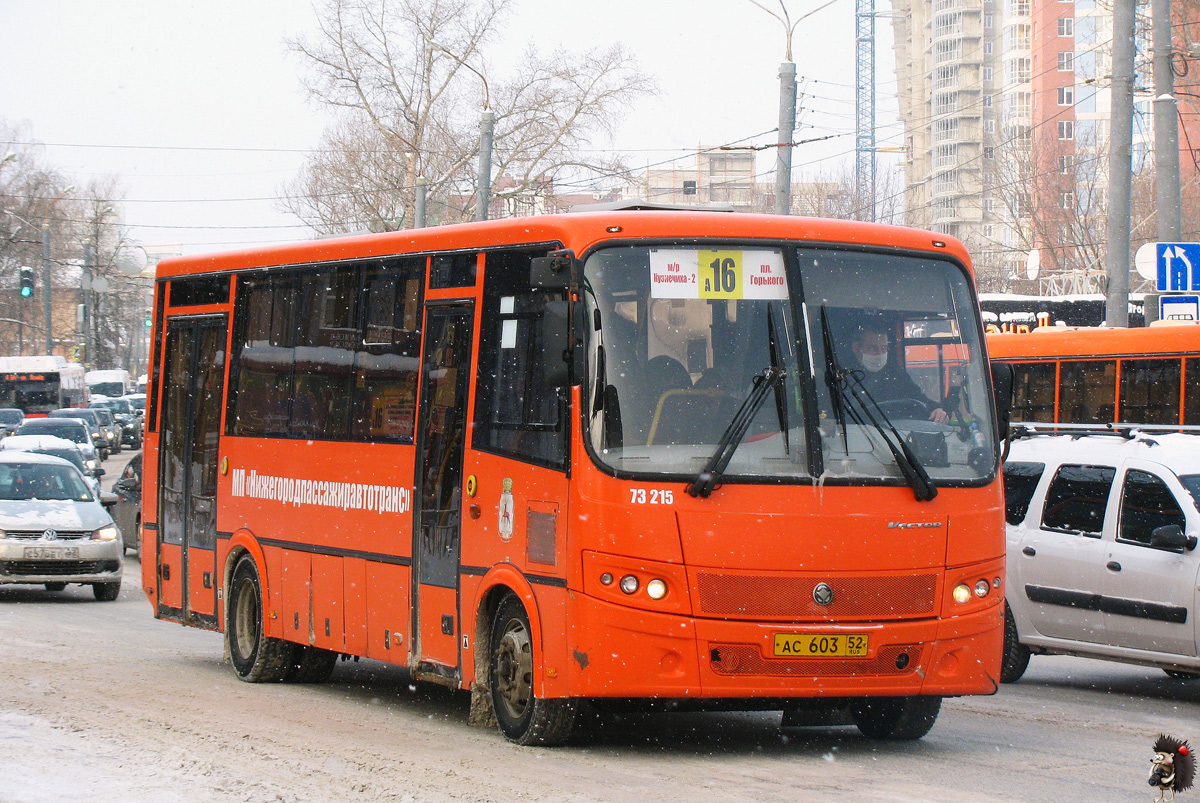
[(555, 337), (555, 271), (1002, 387)]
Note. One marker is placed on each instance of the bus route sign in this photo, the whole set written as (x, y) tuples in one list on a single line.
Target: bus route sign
[(1175, 267)]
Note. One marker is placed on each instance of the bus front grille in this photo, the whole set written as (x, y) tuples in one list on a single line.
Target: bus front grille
[(747, 659), (859, 597)]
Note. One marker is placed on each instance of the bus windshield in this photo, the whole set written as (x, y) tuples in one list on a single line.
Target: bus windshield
[(880, 352), (33, 394)]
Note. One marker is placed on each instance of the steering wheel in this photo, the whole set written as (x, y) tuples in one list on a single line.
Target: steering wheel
[(904, 408)]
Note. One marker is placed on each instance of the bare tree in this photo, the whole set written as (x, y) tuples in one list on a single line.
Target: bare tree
[(408, 78)]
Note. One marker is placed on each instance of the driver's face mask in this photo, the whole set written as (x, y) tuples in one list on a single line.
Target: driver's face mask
[(874, 362)]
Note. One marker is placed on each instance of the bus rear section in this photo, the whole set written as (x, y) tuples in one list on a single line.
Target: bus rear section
[(607, 459)]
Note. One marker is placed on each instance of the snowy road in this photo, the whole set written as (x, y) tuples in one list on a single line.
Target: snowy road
[(100, 702)]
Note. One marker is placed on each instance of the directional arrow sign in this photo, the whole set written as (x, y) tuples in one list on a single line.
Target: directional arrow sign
[(1175, 267)]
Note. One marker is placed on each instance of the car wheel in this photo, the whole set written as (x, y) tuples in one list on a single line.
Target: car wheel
[(55, 586), (523, 717), (895, 718), (311, 665), (256, 657), (106, 592), (1015, 659)]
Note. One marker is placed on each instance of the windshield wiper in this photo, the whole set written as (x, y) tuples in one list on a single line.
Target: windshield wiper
[(777, 366), (710, 475), (849, 395)]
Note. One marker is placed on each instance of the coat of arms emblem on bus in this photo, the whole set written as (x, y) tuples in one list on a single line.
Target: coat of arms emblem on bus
[(506, 510)]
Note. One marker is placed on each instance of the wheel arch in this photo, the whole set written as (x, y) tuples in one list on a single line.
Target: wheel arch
[(244, 544), (498, 583)]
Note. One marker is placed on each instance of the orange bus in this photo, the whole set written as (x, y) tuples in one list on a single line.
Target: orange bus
[(1068, 375), (619, 456)]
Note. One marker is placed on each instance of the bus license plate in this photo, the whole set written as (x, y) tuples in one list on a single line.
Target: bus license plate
[(51, 552), (821, 645)]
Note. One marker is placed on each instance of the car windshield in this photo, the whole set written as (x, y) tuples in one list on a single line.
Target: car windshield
[(1192, 483), (686, 341), (19, 481), (11, 417), (137, 404), (72, 432)]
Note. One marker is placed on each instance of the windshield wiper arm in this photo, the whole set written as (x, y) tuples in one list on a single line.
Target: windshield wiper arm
[(710, 475), (849, 393), (777, 366)]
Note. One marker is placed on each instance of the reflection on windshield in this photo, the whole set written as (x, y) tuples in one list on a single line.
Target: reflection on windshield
[(677, 336), (42, 481), (1192, 483)]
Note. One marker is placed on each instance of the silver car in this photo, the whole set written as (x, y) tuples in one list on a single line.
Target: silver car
[(53, 528)]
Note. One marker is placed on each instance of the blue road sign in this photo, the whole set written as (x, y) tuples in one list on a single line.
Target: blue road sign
[(1179, 308), (1178, 267)]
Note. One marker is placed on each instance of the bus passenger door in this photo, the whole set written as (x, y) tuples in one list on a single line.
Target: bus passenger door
[(446, 367), (193, 390)]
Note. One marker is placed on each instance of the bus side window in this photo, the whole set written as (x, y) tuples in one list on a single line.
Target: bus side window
[(517, 412)]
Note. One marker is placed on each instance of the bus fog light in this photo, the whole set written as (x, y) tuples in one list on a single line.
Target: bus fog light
[(996, 581), (656, 589), (629, 584), (982, 588), (606, 579), (962, 593)]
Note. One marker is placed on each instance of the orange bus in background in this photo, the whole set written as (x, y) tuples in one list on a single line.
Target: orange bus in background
[(608, 456), (1068, 375)]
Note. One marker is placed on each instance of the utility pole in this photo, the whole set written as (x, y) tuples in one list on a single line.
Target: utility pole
[(1166, 140), (1120, 166), (487, 122), (787, 127), (864, 109)]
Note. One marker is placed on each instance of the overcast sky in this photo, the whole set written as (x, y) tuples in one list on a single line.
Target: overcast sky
[(198, 107)]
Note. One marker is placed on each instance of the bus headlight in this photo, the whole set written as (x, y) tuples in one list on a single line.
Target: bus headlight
[(982, 588), (962, 593), (629, 584), (108, 533), (656, 589)]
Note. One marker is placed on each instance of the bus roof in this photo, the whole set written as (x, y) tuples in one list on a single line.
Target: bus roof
[(40, 362), (1052, 342), (578, 231)]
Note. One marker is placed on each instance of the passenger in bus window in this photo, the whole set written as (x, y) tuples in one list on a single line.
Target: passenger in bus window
[(885, 381)]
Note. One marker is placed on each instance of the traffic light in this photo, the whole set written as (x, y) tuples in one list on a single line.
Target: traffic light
[(26, 281), (149, 320)]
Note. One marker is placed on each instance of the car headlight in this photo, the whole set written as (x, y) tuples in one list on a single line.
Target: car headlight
[(108, 533), (90, 463)]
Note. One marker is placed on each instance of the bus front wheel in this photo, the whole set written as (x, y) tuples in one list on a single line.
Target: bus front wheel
[(256, 657), (895, 718), (1015, 659), (523, 717)]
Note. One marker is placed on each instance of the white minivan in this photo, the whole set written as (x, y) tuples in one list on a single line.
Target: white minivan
[(1103, 525)]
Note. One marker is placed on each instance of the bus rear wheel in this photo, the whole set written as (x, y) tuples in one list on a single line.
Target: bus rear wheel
[(256, 657), (895, 718), (523, 717)]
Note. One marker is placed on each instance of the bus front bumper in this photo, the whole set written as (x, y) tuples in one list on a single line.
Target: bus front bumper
[(629, 653)]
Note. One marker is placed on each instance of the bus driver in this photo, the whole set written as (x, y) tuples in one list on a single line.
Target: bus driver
[(885, 381)]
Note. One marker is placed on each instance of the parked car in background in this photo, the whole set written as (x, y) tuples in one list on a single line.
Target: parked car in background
[(125, 415), (53, 529), (1102, 531), (89, 417), (127, 512), (10, 419), (71, 429), (57, 447)]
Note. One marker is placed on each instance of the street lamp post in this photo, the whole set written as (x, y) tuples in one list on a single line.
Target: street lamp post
[(47, 309), (487, 121)]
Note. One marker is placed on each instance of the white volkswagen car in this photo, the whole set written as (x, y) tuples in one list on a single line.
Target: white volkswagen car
[(1102, 557), (53, 529)]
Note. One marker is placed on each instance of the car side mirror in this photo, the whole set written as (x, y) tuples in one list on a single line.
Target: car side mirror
[(99, 472), (1171, 538), (108, 500)]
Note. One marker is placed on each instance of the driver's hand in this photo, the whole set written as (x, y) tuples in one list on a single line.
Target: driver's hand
[(939, 416)]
